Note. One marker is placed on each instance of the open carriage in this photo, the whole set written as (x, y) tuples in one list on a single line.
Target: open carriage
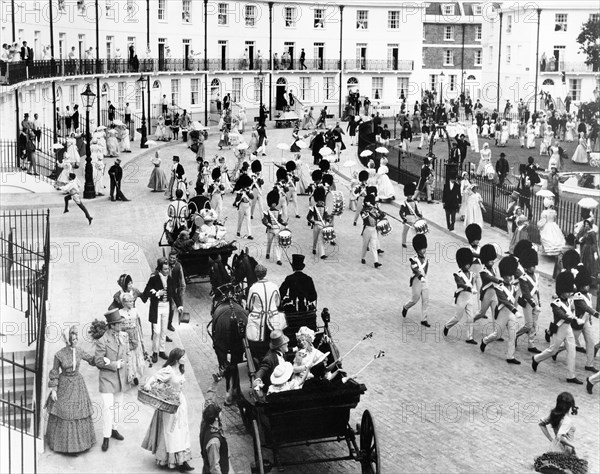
[(315, 414)]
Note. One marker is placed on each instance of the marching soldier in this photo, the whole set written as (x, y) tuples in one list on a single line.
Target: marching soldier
[(419, 264), (361, 192), (463, 296), (487, 294), (409, 212), (560, 328), (274, 223), (282, 188), (584, 311), (290, 167), (370, 214), (319, 218), (243, 198), (256, 188), (530, 298)]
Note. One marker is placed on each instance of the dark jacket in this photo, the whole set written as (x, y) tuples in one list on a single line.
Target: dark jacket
[(451, 197), (502, 166), (267, 365), (155, 284), (297, 292), (116, 173)]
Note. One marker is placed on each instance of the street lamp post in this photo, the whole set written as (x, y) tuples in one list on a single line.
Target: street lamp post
[(260, 84), (142, 84), (88, 98), (441, 86)]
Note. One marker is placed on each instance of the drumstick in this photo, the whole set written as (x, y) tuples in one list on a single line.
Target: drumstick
[(365, 337), (395, 218)]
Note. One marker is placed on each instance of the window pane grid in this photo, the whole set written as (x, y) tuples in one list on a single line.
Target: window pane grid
[(236, 89), (222, 17)]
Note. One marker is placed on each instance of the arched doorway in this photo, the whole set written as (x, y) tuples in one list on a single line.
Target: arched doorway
[(156, 98), (215, 91), (352, 84), (280, 89)]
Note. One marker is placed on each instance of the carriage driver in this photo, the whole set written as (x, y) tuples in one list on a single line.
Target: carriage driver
[(298, 293)]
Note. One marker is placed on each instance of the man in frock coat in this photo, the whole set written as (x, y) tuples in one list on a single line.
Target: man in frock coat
[(111, 359), (278, 347), (451, 198), (298, 293)]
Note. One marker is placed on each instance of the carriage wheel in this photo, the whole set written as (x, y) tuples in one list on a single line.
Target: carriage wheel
[(370, 461), (258, 458)]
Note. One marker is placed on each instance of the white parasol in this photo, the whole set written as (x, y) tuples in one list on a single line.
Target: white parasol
[(588, 203), (118, 123), (325, 151), (242, 146), (195, 125), (301, 144), (350, 164), (100, 128), (283, 147), (381, 149), (545, 193), (151, 143), (366, 153), (57, 146)]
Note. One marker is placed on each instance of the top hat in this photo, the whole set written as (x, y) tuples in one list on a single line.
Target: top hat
[(278, 339), (297, 261), (113, 316)]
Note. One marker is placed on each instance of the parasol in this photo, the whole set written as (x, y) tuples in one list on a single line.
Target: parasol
[(588, 203), (350, 163), (301, 144), (545, 193), (118, 123), (283, 147), (325, 151), (381, 149), (57, 146), (242, 146), (196, 125), (151, 143), (366, 153), (100, 128)]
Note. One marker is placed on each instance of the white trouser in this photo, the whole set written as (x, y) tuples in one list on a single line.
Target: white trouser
[(244, 214), (159, 329), (531, 324), (274, 234), (564, 333), (257, 200), (489, 300), (359, 206), (111, 403), (506, 320), (464, 307), (406, 227), (371, 241), (420, 291), (594, 379), (589, 341), (283, 206), (293, 199), (318, 239)]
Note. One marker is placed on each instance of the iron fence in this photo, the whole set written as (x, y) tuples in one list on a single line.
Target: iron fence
[(22, 434)]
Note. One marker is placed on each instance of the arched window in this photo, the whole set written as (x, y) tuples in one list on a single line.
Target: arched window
[(352, 84), (156, 85), (282, 81), (548, 82), (215, 83), (105, 88), (471, 78)]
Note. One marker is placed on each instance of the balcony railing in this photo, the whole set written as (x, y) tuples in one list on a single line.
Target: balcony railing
[(378, 65), (563, 66), (16, 72)]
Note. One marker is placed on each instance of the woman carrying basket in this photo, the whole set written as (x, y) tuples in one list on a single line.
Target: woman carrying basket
[(168, 436)]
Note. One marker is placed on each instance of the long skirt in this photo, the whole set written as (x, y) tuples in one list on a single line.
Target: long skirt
[(158, 179)]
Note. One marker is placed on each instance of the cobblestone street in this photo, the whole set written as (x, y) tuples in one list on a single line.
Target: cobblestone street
[(439, 405)]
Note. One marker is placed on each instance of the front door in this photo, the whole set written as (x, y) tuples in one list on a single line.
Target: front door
[(223, 45), (280, 100), (186, 53), (320, 55), (393, 57), (290, 50)]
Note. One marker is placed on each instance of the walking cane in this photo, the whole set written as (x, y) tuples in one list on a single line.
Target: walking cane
[(365, 337), (376, 356)]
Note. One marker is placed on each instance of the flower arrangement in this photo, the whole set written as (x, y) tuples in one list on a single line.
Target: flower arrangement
[(165, 392)]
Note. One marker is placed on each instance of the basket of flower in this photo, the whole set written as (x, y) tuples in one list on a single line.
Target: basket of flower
[(161, 396)]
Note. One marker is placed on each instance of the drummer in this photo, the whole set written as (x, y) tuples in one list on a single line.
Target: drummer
[(319, 217), (273, 221), (329, 186), (282, 187), (298, 293), (370, 214), (409, 212), (361, 192), (291, 168)]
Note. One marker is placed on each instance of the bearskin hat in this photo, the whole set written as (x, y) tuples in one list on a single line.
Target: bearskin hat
[(473, 232), (327, 179), (317, 175), (508, 266), (273, 197), (488, 253), (256, 166), (521, 246), (281, 174), (216, 173), (529, 258), (324, 165), (290, 166), (565, 283), (363, 175), (464, 257), (372, 190), (571, 259), (319, 194), (419, 242), (583, 278), (410, 188), (244, 181)]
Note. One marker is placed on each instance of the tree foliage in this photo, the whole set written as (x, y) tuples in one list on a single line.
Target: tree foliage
[(589, 39)]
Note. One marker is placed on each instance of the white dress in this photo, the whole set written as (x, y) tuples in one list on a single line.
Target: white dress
[(72, 156), (464, 193), (581, 154), (514, 129), (486, 159), (554, 158), (168, 436), (473, 214), (112, 144), (552, 237), (98, 167), (530, 137), (570, 134), (385, 190), (504, 135), (473, 138), (125, 143)]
